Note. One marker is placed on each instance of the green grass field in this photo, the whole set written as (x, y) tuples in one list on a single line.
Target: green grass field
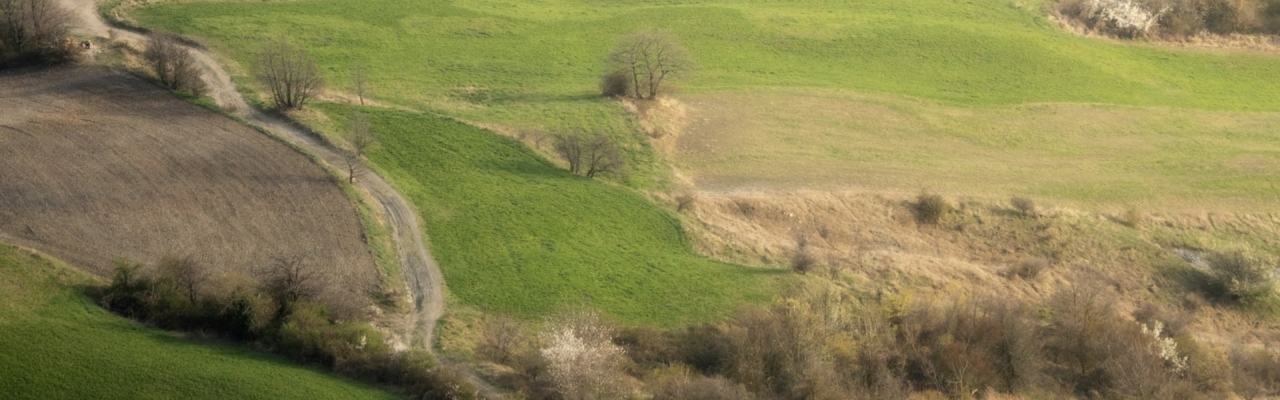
[(972, 91), (515, 234), (55, 343), (532, 66)]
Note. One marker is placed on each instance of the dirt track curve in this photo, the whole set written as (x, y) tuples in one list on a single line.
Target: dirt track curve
[(421, 272)]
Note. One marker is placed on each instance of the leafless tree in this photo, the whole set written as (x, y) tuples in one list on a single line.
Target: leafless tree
[(184, 274), (361, 78), (589, 154), (602, 156), (360, 138), (501, 339), (34, 29), (570, 148), (290, 279), (649, 58), (173, 64), (290, 73)]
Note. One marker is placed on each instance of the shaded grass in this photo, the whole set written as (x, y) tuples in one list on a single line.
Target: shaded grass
[(515, 234), (56, 343)]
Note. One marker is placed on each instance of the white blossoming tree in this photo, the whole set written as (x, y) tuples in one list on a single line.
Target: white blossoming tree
[(582, 360)]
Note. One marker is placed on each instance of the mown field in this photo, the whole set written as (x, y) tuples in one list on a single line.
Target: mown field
[(516, 234), (1101, 156), (55, 343)]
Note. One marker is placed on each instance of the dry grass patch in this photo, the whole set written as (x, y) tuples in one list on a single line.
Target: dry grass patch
[(871, 242), (100, 165), (1081, 154)]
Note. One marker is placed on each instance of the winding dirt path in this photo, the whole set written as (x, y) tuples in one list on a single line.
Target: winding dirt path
[(422, 274)]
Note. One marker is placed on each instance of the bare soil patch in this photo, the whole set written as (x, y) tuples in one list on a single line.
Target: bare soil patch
[(98, 165)]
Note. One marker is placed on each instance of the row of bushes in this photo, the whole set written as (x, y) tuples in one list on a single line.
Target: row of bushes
[(1174, 18), (822, 344), (277, 311)]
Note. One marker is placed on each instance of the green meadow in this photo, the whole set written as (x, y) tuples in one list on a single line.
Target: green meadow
[(55, 343), (974, 92), (510, 61), (515, 234)]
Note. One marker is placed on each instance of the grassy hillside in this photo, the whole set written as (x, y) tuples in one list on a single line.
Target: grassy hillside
[(516, 234), (506, 61), (56, 344), (532, 66)]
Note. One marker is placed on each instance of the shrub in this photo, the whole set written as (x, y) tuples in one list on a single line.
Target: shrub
[(679, 382), (173, 65), (1241, 278), (1256, 372), (615, 84), (1024, 205), (685, 202), (1131, 218), (931, 208), (1029, 268), (289, 73), (802, 260), (501, 340), (35, 31)]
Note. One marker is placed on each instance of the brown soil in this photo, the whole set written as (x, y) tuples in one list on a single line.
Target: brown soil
[(99, 165)]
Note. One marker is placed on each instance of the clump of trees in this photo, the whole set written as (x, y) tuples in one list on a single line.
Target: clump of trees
[(289, 73), (35, 31), (174, 65), (642, 63), (1174, 18), (278, 309), (589, 155)]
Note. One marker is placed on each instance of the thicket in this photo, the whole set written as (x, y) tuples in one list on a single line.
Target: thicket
[(1174, 18), (1240, 277), (824, 344), (277, 311), (35, 31), (175, 66)]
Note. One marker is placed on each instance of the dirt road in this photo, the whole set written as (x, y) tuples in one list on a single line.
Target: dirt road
[(421, 272)]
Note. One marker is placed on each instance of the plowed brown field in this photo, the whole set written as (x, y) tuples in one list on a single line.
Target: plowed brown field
[(97, 165)]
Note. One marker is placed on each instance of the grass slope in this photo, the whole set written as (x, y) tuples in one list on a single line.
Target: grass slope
[(507, 60), (516, 234), (57, 344)]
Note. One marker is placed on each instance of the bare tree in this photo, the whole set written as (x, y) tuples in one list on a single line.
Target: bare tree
[(360, 138), (602, 155), (290, 73), (589, 155), (34, 30), (649, 58), (173, 64), (289, 279), (184, 274), (361, 78), (570, 148)]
